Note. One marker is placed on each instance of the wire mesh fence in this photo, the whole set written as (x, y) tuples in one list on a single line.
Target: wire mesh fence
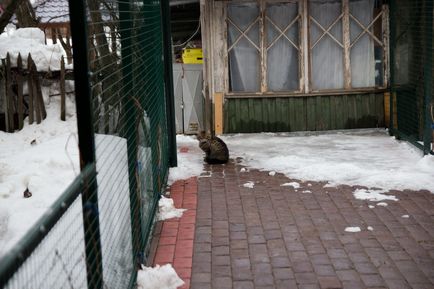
[(97, 233), (412, 71)]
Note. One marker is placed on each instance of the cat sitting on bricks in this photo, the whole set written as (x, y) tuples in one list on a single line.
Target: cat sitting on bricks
[(216, 151)]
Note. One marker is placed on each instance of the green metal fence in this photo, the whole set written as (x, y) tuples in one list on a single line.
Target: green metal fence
[(411, 47), (97, 233)]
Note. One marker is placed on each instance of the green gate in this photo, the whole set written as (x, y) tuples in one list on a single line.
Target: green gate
[(411, 46), (97, 233)]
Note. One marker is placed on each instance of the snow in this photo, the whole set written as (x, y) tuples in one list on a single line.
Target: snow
[(371, 206), (370, 228), (382, 204), (243, 170), (249, 185), (405, 216), (272, 173), (368, 157), (190, 163), (167, 210), (295, 185), (306, 192), (46, 168), (31, 40), (352, 229), (159, 277), (373, 195)]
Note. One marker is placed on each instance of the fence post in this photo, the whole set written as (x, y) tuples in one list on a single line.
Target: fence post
[(168, 82), (86, 143), (129, 128), (428, 75), (392, 26)]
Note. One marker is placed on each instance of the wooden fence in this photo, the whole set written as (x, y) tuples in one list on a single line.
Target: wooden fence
[(17, 105)]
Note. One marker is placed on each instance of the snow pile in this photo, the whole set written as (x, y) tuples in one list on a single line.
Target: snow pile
[(43, 158), (382, 204), (167, 210), (249, 185), (190, 163), (159, 277), (405, 216), (370, 228), (272, 173), (31, 40), (295, 185), (362, 157), (373, 195), (352, 229)]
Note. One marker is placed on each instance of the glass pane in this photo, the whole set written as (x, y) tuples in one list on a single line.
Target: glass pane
[(366, 54), (244, 56), (243, 14), (282, 67), (244, 67), (327, 56), (282, 57)]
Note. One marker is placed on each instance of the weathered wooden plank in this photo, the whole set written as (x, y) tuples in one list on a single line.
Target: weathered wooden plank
[(299, 115), (347, 42), (310, 113), (333, 112), (7, 95), (218, 112), (62, 89), (257, 104), (243, 103), (30, 89), (20, 92)]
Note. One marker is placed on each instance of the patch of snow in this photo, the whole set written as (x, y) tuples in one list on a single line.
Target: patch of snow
[(382, 204), (352, 229), (249, 185), (190, 163), (167, 210), (272, 173), (370, 228), (405, 216), (373, 195), (371, 206), (295, 185), (306, 192), (161, 277), (243, 170), (309, 185), (369, 157)]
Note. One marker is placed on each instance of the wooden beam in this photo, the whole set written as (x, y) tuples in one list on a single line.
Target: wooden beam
[(218, 113), (347, 43)]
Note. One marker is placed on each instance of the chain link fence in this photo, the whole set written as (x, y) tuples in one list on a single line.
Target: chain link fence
[(411, 46), (97, 234)]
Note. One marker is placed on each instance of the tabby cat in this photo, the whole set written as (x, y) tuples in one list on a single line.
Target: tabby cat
[(216, 151)]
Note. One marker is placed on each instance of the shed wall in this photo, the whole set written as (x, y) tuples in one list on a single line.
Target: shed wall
[(311, 113)]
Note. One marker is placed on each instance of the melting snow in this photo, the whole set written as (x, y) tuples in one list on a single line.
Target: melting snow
[(352, 229), (405, 216), (272, 173), (295, 185), (161, 277), (167, 210), (382, 204), (373, 195), (249, 185)]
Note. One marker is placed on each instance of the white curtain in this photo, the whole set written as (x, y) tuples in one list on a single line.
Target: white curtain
[(282, 57), (362, 53), (244, 57), (327, 55)]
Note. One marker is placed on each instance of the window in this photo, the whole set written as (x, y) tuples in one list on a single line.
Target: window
[(302, 46), (263, 48)]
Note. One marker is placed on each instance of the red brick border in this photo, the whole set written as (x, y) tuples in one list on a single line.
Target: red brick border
[(175, 245)]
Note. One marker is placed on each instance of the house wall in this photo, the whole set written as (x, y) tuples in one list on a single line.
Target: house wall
[(280, 113)]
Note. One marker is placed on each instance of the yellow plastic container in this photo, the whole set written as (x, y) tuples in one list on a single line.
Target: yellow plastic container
[(192, 55)]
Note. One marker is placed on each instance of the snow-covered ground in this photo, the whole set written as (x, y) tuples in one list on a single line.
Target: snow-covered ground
[(44, 159), (368, 158)]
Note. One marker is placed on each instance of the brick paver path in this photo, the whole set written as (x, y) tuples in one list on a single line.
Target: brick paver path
[(273, 236)]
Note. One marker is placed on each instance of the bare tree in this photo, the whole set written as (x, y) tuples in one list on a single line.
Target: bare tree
[(10, 7)]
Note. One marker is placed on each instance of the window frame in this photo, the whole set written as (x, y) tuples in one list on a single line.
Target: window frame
[(305, 51)]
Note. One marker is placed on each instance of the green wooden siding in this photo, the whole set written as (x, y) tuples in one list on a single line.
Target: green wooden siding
[(312, 113)]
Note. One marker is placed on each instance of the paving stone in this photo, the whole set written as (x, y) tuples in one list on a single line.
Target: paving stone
[(275, 237)]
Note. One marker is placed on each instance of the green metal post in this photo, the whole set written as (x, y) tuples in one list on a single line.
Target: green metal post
[(428, 75), (86, 143), (168, 82), (392, 90), (129, 127)]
